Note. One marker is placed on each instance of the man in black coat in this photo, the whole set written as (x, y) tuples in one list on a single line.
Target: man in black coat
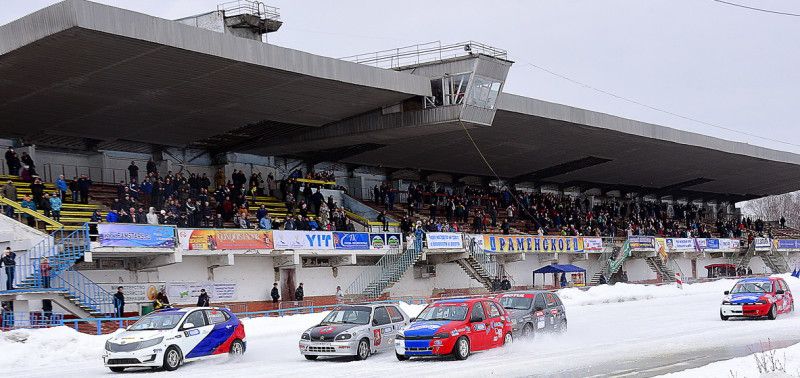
[(8, 260), (298, 294), (275, 294), (202, 300), (119, 302)]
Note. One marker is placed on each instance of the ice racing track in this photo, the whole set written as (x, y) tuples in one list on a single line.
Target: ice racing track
[(655, 330)]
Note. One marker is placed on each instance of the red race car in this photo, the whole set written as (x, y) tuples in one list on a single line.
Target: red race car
[(757, 297), (455, 326)]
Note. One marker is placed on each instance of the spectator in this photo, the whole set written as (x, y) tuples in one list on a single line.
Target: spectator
[(84, 183), (27, 160), (339, 294), (28, 203), (298, 294), (384, 220), (10, 192), (202, 299), (152, 217), (12, 160), (505, 284), (55, 206), (783, 222), (151, 168), (44, 270), (161, 300), (265, 223), (275, 294), (61, 185), (119, 303), (37, 190), (8, 260), (112, 216), (133, 172), (75, 189)]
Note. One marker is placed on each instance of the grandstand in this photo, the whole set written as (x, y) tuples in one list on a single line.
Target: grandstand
[(219, 123)]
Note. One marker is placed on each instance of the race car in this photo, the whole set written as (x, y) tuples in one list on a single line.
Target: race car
[(757, 297), (534, 311), (168, 338), (455, 326), (353, 330)]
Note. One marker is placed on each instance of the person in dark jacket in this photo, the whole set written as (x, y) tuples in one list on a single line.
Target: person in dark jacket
[(119, 303), (505, 284), (8, 260), (202, 299), (275, 294), (298, 294), (161, 300), (83, 186)]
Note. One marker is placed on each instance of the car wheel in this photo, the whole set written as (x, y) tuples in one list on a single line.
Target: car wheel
[(508, 339), (117, 369), (363, 349), (172, 359), (723, 317), (237, 348), (773, 313), (401, 357), (311, 358), (461, 348), (527, 331)]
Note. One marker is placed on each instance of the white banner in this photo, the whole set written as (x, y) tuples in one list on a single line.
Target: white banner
[(135, 292), (680, 244), (187, 292), (729, 244), (303, 239), (762, 244), (444, 240), (592, 244)]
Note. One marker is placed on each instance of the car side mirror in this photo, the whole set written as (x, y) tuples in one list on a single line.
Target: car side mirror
[(374, 322), (414, 319), (188, 325), (726, 292), (779, 292)]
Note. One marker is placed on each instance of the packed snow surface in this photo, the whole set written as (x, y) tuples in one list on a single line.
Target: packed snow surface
[(613, 330)]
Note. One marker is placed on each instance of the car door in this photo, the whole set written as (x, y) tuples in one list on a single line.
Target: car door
[(479, 325), (221, 331), (381, 328), (398, 320), (788, 296), (785, 299), (540, 314), (553, 319), (194, 330), (496, 324), (561, 315)]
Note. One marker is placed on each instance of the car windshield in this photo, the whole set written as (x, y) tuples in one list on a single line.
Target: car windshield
[(443, 313), (752, 287), (157, 321), (347, 316), (516, 303)]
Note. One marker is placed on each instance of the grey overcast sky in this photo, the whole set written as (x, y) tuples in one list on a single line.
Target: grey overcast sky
[(724, 65)]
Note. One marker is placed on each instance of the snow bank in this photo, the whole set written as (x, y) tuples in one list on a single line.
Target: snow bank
[(789, 358), (60, 345), (623, 292)]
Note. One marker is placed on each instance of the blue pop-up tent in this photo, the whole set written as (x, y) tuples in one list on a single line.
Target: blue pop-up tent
[(557, 268)]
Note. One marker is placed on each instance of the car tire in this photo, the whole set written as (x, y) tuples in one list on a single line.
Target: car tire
[(527, 331), (773, 313), (237, 348), (508, 339), (461, 348), (401, 357), (172, 359), (362, 353), (310, 358), (117, 369), (723, 317)]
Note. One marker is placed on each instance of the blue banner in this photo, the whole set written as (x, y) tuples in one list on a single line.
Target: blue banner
[(135, 235), (351, 240), (788, 244)]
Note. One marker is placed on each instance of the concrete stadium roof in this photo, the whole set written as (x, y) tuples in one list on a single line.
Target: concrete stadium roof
[(539, 141), (89, 70)]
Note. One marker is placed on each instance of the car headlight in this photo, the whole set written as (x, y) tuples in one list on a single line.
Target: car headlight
[(726, 302), (108, 345), (344, 336), (762, 301), (441, 335), (305, 336), (400, 336), (149, 343)]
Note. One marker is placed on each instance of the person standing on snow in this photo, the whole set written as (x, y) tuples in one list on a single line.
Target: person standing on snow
[(203, 300), (275, 294), (298, 294)]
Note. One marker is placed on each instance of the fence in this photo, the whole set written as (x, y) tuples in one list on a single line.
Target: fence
[(33, 319), (423, 53)]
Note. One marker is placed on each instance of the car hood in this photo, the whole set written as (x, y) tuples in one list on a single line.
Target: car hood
[(424, 328), (331, 331), (745, 298), (135, 336)]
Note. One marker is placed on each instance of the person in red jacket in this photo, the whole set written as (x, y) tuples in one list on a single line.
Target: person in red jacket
[(44, 269)]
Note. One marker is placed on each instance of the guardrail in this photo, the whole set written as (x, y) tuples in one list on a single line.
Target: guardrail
[(19, 210), (423, 53)]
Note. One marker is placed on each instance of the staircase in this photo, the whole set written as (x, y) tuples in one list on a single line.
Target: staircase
[(660, 268), (480, 266), (372, 282), (742, 259), (612, 262), (775, 261), (605, 267), (74, 291)]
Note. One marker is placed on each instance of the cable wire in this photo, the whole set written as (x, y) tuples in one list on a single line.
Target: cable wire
[(632, 101), (757, 9)]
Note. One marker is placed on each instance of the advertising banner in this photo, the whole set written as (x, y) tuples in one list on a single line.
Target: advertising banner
[(681, 244), (213, 240), (135, 235), (642, 243), (444, 240), (187, 292), (729, 244), (661, 248), (535, 244), (712, 244), (385, 241), (787, 244), (302, 239), (135, 292), (351, 240), (762, 244), (593, 244)]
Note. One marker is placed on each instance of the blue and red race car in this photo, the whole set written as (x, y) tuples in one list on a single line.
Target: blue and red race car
[(455, 326), (757, 297)]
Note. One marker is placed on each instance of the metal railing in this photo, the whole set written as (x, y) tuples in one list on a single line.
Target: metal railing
[(624, 253), (32, 319), (99, 175), (256, 8), (424, 53), (486, 260), (88, 293), (372, 282), (19, 210)]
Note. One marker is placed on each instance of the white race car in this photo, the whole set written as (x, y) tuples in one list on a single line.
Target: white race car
[(168, 338)]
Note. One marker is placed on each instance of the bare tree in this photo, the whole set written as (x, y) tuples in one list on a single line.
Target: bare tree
[(772, 208)]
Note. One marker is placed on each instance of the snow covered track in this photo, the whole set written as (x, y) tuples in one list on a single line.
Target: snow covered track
[(620, 330)]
